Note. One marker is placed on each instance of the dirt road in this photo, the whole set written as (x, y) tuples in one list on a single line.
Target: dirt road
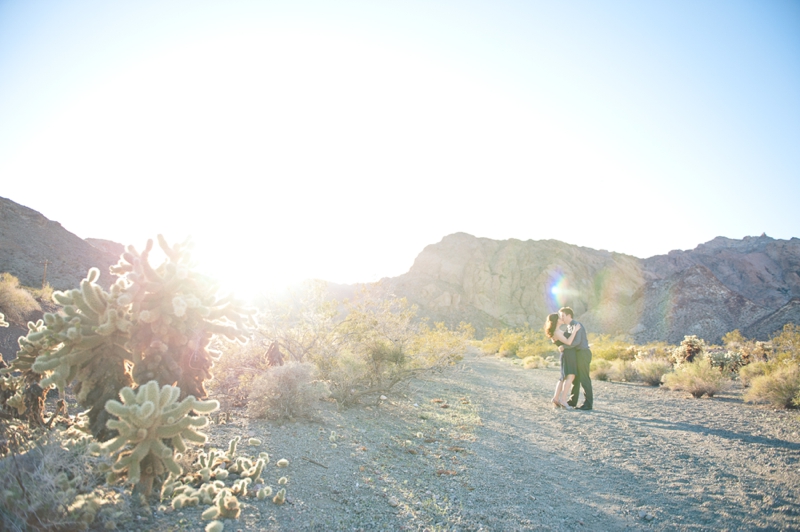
[(479, 447)]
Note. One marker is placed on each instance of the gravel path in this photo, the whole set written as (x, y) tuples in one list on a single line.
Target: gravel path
[(479, 447)]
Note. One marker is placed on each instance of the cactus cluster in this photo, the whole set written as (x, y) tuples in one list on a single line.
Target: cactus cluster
[(21, 389), (146, 419), (206, 484), (152, 324), (179, 312)]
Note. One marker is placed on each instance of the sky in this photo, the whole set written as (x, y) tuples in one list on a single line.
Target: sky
[(335, 140)]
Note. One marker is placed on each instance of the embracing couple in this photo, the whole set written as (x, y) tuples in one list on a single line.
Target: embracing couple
[(575, 360)]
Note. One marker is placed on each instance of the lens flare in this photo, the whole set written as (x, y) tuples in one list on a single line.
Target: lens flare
[(559, 290)]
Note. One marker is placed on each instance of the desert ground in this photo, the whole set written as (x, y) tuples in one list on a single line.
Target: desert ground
[(480, 447)]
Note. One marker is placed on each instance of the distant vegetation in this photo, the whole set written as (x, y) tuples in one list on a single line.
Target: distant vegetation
[(347, 351), (770, 370)]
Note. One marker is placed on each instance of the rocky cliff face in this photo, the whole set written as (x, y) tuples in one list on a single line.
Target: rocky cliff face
[(28, 239), (720, 286)]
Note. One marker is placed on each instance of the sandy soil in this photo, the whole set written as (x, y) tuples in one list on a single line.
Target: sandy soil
[(479, 447)]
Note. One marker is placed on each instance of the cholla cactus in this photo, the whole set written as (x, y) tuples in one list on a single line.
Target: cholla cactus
[(3, 322), (226, 505), (727, 361), (159, 322), (84, 344), (146, 420), (28, 396), (690, 348), (178, 312)]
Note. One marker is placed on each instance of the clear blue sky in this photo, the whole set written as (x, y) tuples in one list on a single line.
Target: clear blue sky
[(337, 139)]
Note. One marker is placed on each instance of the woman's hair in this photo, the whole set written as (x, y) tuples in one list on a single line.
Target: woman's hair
[(550, 325)]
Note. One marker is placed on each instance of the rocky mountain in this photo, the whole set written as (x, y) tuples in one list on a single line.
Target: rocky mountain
[(751, 284), (28, 241), (721, 285)]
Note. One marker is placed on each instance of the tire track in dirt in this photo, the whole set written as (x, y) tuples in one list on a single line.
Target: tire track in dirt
[(643, 458)]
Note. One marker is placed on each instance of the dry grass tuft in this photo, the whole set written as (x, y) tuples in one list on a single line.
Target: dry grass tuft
[(651, 371), (780, 388), (698, 378), (15, 302), (286, 392)]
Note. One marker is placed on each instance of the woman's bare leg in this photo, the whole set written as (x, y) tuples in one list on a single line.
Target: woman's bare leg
[(557, 393), (566, 390)]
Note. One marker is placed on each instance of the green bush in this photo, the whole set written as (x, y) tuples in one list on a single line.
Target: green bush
[(779, 388), (287, 392), (16, 302), (698, 378), (652, 370)]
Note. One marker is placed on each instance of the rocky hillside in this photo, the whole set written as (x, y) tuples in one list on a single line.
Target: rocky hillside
[(722, 285), (28, 240), (751, 284)]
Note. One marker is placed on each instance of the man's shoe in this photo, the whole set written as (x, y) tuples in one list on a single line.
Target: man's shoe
[(584, 407)]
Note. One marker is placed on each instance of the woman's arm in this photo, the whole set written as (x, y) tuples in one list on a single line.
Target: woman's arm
[(558, 335)]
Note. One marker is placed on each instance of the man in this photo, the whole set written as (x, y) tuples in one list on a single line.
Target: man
[(584, 356)]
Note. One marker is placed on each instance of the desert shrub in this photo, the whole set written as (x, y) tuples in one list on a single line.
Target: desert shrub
[(623, 371), (600, 369), (345, 378), (652, 370), (654, 350), (493, 340), (363, 346), (386, 344), (691, 348), (56, 486), (751, 371), (786, 344), (779, 388), (16, 302), (237, 368), (534, 362), (509, 348), (748, 350), (536, 344), (286, 392), (608, 348), (44, 293), (698, 378)]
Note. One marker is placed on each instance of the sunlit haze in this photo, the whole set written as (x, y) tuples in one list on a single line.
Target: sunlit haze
[(335, 140)]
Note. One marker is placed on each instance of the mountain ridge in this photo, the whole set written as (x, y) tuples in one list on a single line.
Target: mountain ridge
[(724, 284)]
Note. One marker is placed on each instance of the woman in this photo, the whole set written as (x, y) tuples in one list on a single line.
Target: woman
[(569, 363)]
